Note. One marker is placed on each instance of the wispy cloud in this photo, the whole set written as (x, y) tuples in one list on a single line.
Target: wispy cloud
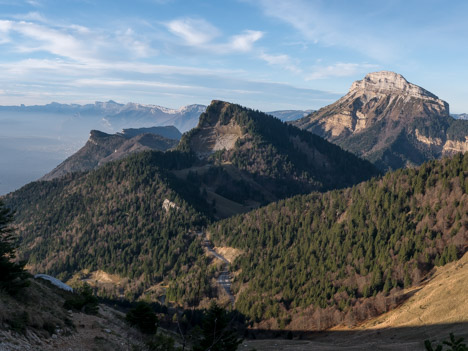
[(244, 42), (282, 60), (30, 16), (198, 33), (129, 83), (340, 70), (138, 48), (193, 31), (73, 42), (319, 26), (42, 38)]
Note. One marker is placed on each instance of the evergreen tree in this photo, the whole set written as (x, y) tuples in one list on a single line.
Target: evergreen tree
[(217, 334), (143, 317), (13, 277)]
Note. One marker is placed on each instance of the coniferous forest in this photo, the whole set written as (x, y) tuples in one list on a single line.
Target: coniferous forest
[(321, 255), (307, 262)]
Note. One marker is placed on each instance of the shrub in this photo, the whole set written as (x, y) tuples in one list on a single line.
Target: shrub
[(143, 317), (83, 301)]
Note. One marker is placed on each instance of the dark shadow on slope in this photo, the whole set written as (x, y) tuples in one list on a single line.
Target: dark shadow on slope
[(402, 338)]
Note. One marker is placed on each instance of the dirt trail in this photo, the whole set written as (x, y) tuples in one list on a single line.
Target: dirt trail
[(224, 278)]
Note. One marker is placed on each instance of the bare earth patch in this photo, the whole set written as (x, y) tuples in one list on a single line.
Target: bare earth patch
[(229, 253)]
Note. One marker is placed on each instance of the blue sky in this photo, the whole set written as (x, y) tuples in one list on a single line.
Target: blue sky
[(263, 54)]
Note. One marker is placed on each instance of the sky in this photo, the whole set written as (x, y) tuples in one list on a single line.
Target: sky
[(264, 54)]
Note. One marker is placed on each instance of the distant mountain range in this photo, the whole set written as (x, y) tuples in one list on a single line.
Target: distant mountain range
[(290, 115), (117, 116), (463, 116), (391, 122)]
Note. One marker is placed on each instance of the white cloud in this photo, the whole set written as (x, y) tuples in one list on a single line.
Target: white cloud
[(74, 42), (200, 34), (340, 70), (194, 32), (42, 38), (282, 60), (136, 47), (5, 26), (244, 42)]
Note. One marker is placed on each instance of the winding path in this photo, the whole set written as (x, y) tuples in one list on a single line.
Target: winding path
[(224, 278)]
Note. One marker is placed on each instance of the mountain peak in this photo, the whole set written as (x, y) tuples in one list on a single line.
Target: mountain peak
[(388, 120), (389, 82)]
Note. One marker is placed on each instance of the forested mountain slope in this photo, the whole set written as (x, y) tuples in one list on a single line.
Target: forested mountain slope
[(112, 219), (314, 261), (273, 160), (137, 217)]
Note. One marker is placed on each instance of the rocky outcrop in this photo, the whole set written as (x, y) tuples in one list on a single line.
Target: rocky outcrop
[(387, 120), (102, 148), (216, 131)]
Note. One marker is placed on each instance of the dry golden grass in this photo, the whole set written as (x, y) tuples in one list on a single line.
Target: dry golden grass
[(443, 299), (436, 308), (229, 253)]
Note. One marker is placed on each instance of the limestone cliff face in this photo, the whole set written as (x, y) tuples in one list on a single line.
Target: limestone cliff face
[(387, 120), (216, 130), (102, 148)]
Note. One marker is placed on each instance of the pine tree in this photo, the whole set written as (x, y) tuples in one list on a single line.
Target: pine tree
[(217, 334), (13, 277)]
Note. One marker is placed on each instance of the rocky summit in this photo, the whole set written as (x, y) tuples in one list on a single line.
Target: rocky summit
[(389, 121), (102, 148)]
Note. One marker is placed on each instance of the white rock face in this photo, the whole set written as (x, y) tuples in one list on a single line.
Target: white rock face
[(168, 204), (390, 82)]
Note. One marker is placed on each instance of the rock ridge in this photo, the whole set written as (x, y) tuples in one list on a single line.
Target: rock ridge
[(390, 82)]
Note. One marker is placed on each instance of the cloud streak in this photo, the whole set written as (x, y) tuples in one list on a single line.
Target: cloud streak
[(319, 26), (198, 33), (282, 60), (340, 70)]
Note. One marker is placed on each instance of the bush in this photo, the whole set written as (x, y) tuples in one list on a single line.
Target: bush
[(83, 301), (143, 317)]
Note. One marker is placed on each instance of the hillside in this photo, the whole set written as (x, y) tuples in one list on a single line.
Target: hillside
[(319, 260), (133, 221), (437, 307), (102, 148), (390, 122), (441, 299), (130, 218), (257, 157), (38, 320)]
